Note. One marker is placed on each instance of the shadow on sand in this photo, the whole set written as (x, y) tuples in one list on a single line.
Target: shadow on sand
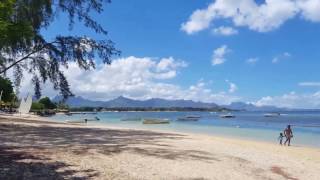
[(15, 139), (15, 163)]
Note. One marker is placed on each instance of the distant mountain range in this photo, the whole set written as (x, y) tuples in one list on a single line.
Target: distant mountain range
[(121, 101), (126, 102)]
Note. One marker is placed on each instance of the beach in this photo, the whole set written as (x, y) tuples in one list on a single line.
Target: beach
[(34, 148)]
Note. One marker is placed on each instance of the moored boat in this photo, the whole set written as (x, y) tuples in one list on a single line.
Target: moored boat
[(271, 114), (131, 119), (86, 112), (83, 120), (189, 118), (155, 121), (76, 121), (193, 116), (94, 119), (229, 115)]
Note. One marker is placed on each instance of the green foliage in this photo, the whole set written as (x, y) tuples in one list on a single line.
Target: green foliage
[(7, 89), (48, 104), (62, 106), (36, 106), (23, 47), (13, 31)]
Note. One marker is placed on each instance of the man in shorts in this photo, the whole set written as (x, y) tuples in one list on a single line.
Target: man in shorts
[(288, 134)]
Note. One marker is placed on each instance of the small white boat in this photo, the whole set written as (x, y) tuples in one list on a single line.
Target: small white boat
[(76, 121), (193, 116), (156, 121), (131, 119), (229, 115), (82, 120), (189, 118), (94, 119), (271, 115), (86, 112)]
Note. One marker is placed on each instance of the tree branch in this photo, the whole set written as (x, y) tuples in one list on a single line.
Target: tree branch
[(24, 58)]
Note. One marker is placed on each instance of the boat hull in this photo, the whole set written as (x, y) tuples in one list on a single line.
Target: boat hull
[(155, 121), (228, 116), (188, 119)]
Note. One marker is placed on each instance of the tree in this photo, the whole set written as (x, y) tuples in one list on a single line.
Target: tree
[(62, 106), (36, 106), (47, 103), (12, 32), (7, 89), (23, 47)]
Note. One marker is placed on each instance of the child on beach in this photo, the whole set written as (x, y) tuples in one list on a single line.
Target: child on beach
[(280, 138)]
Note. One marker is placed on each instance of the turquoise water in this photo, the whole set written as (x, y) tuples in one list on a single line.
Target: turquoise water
[(246, 125)]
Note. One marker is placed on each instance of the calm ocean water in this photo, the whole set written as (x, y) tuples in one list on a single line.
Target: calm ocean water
[(246, 125)]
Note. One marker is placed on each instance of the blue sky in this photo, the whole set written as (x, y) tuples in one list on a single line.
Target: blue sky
[(281, 39)]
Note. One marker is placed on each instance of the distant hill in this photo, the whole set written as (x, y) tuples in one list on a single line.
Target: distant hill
[(79, 102), (121, 101), (252, 107), (127, 102)]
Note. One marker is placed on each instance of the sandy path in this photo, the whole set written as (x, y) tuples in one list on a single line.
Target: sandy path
[(36, 150)]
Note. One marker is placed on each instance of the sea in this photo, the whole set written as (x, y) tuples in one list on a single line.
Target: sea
[(245, 125)]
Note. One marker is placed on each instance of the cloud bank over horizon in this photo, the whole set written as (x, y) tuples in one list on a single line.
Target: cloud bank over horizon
[(145, 78), (137, 78), (292, 100)]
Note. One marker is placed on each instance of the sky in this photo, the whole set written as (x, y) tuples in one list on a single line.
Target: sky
[(222, 51)]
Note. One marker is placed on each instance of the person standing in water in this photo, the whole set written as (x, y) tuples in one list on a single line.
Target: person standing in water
[(288, 134)]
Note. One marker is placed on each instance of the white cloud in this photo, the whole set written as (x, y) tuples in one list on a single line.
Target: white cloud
[(310, 9), (133, 77), (218, 56), (199, 20), (280, 57), (261, 17), (275, 60), (310, 84), (224, 31), (286, 54), (252, 60), (232, 87), (292, 100), (170, 63), (201, 93)]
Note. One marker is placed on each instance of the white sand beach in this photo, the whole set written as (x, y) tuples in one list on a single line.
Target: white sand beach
[(33, 149)]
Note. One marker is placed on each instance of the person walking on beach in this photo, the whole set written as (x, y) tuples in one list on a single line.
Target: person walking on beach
[(288, 134), (280, 138)]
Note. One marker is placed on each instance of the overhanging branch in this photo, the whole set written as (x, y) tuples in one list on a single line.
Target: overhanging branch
[(24, 58)]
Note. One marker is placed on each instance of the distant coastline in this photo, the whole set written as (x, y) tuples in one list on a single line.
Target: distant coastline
[(156, 104), (147, 109)]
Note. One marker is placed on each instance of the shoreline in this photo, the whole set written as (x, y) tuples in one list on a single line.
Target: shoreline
[(108, 152), (216, 136), (37, 119), (241, 133)]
